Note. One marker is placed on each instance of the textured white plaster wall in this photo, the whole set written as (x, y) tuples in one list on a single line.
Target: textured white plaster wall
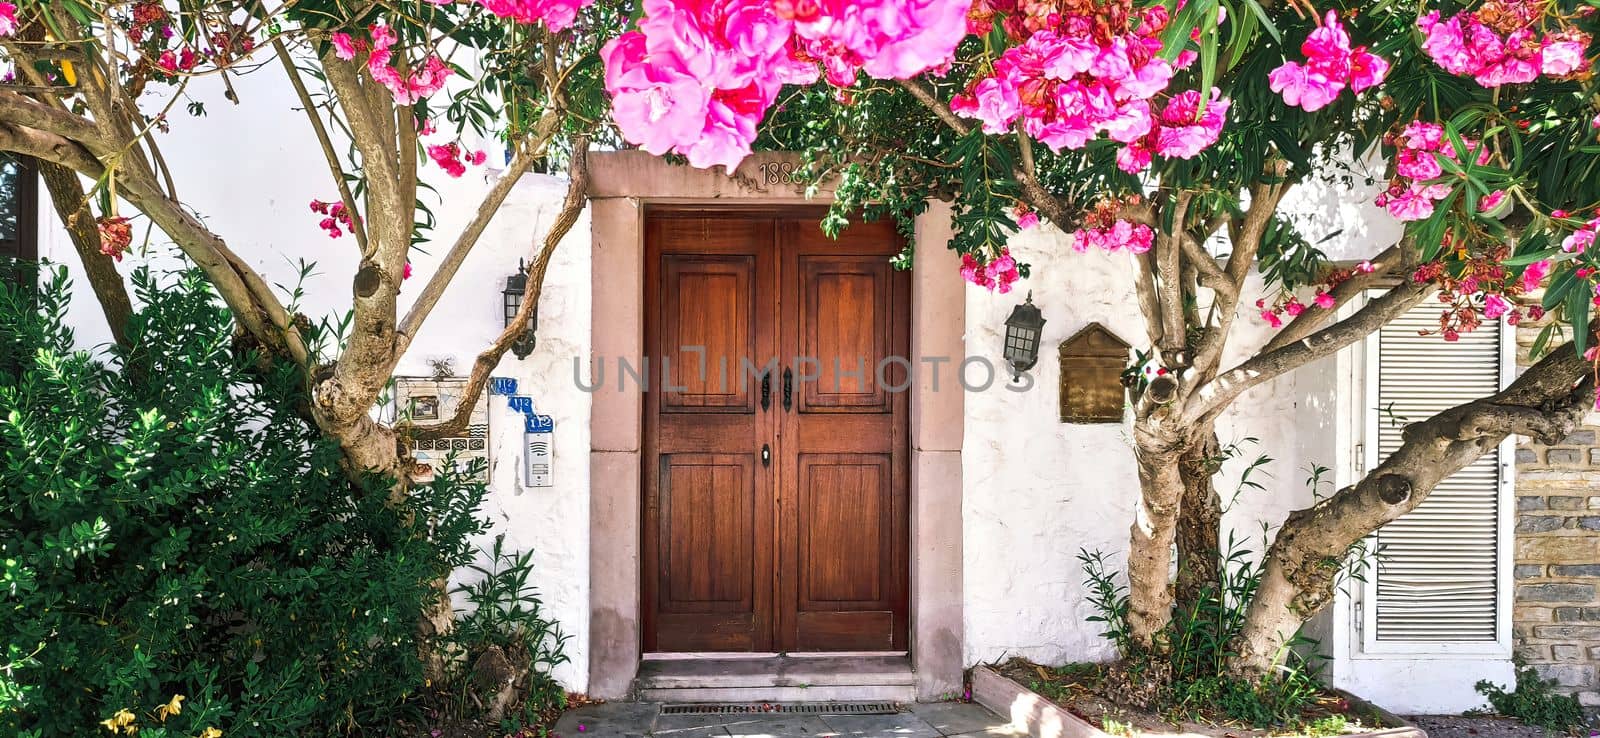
[(249, 171), (1038, 490)]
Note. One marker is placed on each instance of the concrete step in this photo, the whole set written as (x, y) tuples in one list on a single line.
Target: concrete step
[(778, 679)]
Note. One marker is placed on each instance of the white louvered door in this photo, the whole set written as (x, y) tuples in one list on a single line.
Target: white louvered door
[(1442, 576)]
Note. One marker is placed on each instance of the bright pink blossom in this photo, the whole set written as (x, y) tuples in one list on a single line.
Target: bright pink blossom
[(1534, 274), (1026, 217), (1137, 238), (1495, 305), (557, 15), (1331, 65), (8, 18), (997, 274), (448, 157), (1494, 204), (1465, 45), (1580, 240), (344, 47), (1272, 318), (1325, 300)]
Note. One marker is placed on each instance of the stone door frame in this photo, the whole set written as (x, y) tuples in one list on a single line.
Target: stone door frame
[(622, 185)]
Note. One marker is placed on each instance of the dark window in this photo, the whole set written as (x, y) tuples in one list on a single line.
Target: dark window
[(19, 207)]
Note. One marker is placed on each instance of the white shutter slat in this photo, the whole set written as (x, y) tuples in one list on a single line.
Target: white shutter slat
[(1436, 576)]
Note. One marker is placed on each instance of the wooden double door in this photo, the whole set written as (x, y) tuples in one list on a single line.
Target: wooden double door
[(775, 510)]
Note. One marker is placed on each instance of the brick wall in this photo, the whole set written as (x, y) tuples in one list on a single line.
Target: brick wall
[(1556, 615)]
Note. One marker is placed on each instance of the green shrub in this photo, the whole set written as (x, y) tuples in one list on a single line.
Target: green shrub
[(1534, 701), (1190, 679), (173, 526)]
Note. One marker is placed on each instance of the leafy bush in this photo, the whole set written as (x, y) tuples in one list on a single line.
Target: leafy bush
[(1534, 701), (183, 553)]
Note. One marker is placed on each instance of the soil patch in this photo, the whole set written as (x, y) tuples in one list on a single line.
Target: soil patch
[(1477, 726), (1080, 690)]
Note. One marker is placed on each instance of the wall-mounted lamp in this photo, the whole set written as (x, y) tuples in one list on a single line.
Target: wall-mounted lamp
[(516, 289), (1022, 337)]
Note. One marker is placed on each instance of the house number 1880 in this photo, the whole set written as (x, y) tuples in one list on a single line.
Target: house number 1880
[(780, 172)]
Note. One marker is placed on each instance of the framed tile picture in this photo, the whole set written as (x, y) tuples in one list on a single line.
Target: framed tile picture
[(427, 400)]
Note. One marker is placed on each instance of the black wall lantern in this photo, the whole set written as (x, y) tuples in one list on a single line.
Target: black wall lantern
[(516, 289), (1022, 337)]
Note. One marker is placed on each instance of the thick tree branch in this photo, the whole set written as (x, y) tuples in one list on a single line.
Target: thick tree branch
[(1245, 235), (1215, 395), (1168, 261), (429, 297), (20, 110), (489, 358), (1303, 563), (1384, 266), (335, 167), (66, 193)]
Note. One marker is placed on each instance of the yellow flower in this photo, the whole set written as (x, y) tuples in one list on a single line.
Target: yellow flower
[(210, 732), (120, 722), (173, 707)]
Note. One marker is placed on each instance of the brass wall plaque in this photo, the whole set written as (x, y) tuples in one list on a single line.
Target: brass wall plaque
[(1092, 361)]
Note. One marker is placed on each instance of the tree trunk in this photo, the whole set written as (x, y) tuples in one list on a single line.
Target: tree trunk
[(1154, 530), (1302, 566), (66, 193), (1199, 525)]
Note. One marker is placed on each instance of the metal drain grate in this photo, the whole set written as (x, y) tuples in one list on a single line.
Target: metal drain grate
[(788, 708)]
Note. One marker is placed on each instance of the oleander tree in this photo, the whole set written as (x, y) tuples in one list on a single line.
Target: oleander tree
[(1152, 129), (391, 92)]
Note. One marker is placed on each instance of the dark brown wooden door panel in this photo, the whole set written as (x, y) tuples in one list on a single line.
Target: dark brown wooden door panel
[(708, 504), (805, 548), (709, 306), (845, 331)]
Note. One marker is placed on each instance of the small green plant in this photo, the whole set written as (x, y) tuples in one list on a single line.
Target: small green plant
[(1199, 642), (1109, 598), (1534, 701), (1116, 727), (504, 637)]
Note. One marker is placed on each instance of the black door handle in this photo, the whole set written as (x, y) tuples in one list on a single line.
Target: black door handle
[(766, 455), (766, 390), (788, 389)]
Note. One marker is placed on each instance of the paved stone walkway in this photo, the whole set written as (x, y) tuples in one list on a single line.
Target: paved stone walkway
[(639, 719)]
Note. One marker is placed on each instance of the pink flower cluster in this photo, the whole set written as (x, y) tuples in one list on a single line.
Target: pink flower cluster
[(337, 216), (1418, 148), (1070, 79), (116, 235), (1331, 66), (557, 15), (997, 275), (1290, 305), (173, 63), (1498, 44), (1119, 234), (425, 78), (699, 75), (1580, 240), (449, 157), (8, 18)]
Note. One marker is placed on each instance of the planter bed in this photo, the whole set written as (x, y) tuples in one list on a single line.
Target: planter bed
[(1086, 715)]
